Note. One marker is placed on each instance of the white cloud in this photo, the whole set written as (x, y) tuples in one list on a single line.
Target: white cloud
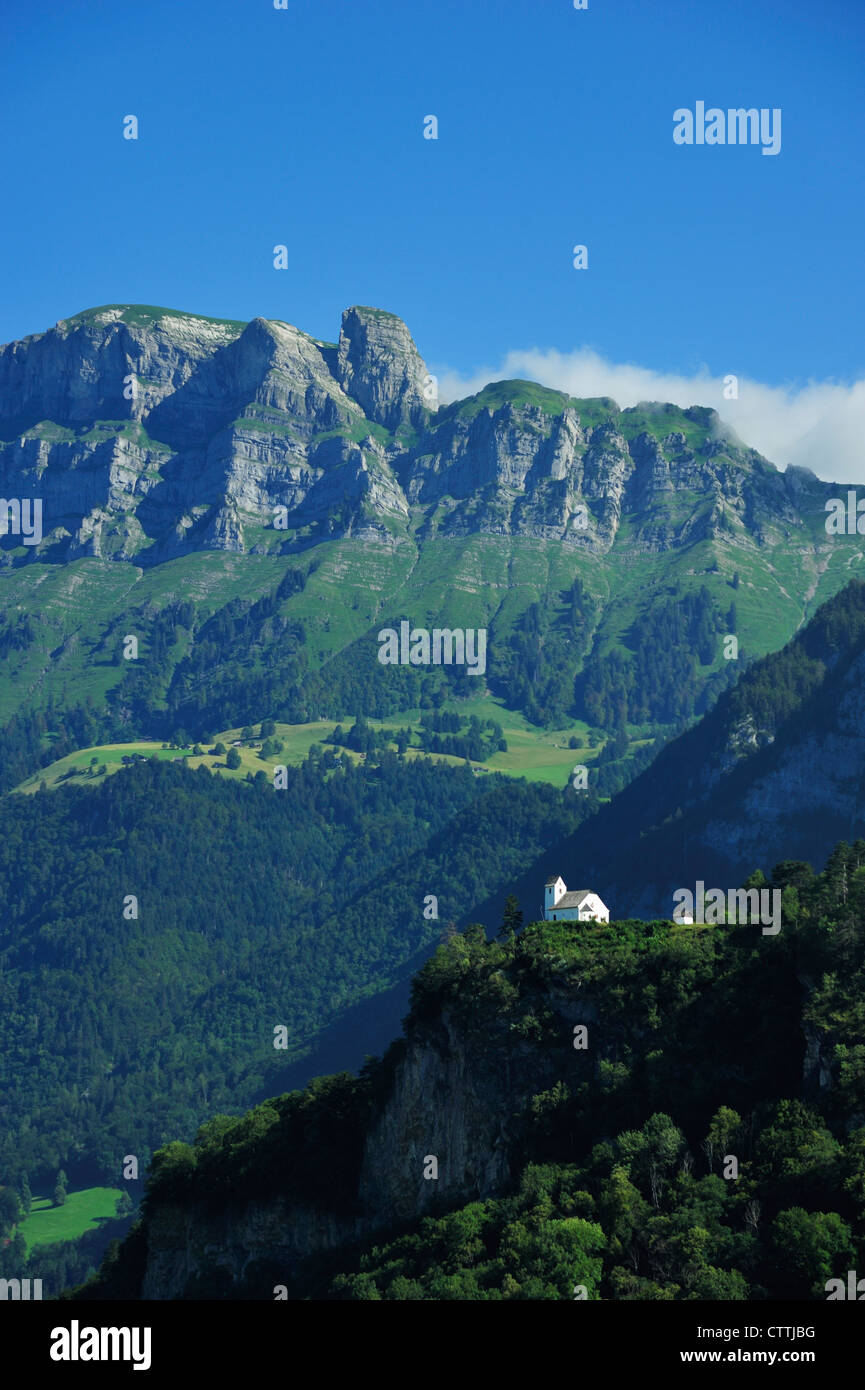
[(819, 425)]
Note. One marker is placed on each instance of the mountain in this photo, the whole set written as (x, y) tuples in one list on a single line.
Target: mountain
[(774, 772), (560, 1108), (254, 505), (323, 941), (152, 434), (222, 423)]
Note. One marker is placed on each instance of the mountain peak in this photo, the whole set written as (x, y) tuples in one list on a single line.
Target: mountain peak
[(379, 365), (147, 316), (170, 414)]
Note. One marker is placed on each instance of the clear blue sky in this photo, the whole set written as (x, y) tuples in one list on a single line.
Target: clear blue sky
[(304, 126)]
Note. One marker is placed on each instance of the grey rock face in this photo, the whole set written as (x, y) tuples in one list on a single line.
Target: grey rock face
[(443, 1107), (184, 1243), (224, 423), (380, 367), (651, 467), (149, 433), (443, 1104), (769, 809)]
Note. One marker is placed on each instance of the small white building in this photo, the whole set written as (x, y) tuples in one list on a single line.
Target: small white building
[(578, 905)]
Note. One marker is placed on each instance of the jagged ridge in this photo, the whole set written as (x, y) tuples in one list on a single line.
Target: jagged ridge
[(150, 433)]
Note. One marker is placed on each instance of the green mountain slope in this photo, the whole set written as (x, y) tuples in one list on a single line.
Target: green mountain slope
[(262, 504), (773, 772), (703, 1142), (158, 928)]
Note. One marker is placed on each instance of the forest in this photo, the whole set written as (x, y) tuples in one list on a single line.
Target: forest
[(123, 1024), (445, 731), (709, 1145), (792, 703), (548, 668), (249, 661)]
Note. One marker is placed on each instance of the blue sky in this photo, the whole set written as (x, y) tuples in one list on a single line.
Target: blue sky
[(261, 126)]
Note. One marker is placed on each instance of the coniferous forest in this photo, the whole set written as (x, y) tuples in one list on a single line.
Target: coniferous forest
[(253, 911)]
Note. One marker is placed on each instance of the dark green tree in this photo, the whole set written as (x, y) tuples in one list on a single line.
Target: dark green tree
[(512, 919), (123, 1205)]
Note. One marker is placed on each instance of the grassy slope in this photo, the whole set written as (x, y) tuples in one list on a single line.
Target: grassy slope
[(536, 754), (463, 582), (81, 1212), (146, 315)]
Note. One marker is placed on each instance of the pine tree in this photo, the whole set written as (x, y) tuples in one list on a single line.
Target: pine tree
[(512, 920), (60, 1189)]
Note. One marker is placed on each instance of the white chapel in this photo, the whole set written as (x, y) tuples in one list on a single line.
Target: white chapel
[(578, 905)]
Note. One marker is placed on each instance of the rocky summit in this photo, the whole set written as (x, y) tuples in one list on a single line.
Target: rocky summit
[(150, 433)]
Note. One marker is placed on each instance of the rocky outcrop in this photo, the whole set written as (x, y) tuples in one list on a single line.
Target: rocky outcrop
[(815, 775), (186, 1244), (451, 1100), (79, 371), (379, 366), (773, 772), (447, 1107), (148, 433)]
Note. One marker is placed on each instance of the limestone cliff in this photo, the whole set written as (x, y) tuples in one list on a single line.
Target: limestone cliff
[(149, 433), (452, 1098)]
